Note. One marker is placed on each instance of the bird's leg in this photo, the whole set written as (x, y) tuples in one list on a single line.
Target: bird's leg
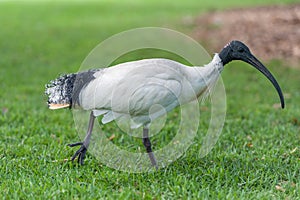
[(85, 144), (147, 144)]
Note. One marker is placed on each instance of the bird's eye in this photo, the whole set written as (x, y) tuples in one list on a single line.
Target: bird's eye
[(240, 49)]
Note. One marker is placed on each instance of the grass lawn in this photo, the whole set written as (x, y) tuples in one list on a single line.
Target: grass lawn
[(256, 157)]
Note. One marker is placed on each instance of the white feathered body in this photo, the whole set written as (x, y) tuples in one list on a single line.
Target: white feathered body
[(131, 89)]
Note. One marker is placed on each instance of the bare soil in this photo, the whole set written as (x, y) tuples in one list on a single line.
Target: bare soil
[(271, 32)]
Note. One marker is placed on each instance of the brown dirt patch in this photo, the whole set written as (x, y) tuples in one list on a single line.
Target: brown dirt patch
[(271, 32)]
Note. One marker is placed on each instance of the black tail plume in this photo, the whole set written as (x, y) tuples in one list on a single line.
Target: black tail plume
[(59, 91), (65, 89)]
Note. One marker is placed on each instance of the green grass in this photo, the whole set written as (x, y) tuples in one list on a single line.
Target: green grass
[(257, 150)]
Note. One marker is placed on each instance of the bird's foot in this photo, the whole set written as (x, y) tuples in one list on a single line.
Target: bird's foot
[(80, 152)]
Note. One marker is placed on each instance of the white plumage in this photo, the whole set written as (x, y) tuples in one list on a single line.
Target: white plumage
[(132, 90)]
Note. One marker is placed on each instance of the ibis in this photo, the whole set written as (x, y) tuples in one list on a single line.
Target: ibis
[(130, 90)]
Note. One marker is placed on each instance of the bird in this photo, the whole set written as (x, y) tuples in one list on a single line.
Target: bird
[(130, 89)]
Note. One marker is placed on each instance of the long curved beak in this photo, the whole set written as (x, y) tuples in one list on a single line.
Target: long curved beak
[(258, 65)]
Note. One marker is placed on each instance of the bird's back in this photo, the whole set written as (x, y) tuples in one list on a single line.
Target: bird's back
[(132, 89)]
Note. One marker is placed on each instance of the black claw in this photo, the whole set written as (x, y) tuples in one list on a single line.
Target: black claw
[(80, 152), (75, 144)]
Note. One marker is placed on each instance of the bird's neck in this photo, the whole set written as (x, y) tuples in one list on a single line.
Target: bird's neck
[(224, 55), (216, 64), (212, 70), (203, 78)]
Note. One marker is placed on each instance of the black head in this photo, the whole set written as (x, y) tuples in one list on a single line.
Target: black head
[(237, 50)]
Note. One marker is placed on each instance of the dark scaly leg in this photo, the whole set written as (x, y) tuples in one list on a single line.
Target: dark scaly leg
[(85, 144), (147, 144)]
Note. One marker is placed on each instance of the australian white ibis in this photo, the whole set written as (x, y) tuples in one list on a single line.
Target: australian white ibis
[(132, 88)]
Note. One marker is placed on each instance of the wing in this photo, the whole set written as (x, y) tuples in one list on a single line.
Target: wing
[(133, 88), (142, 88)]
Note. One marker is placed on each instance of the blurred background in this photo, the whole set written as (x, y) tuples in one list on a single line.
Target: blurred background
[(40, 40)]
